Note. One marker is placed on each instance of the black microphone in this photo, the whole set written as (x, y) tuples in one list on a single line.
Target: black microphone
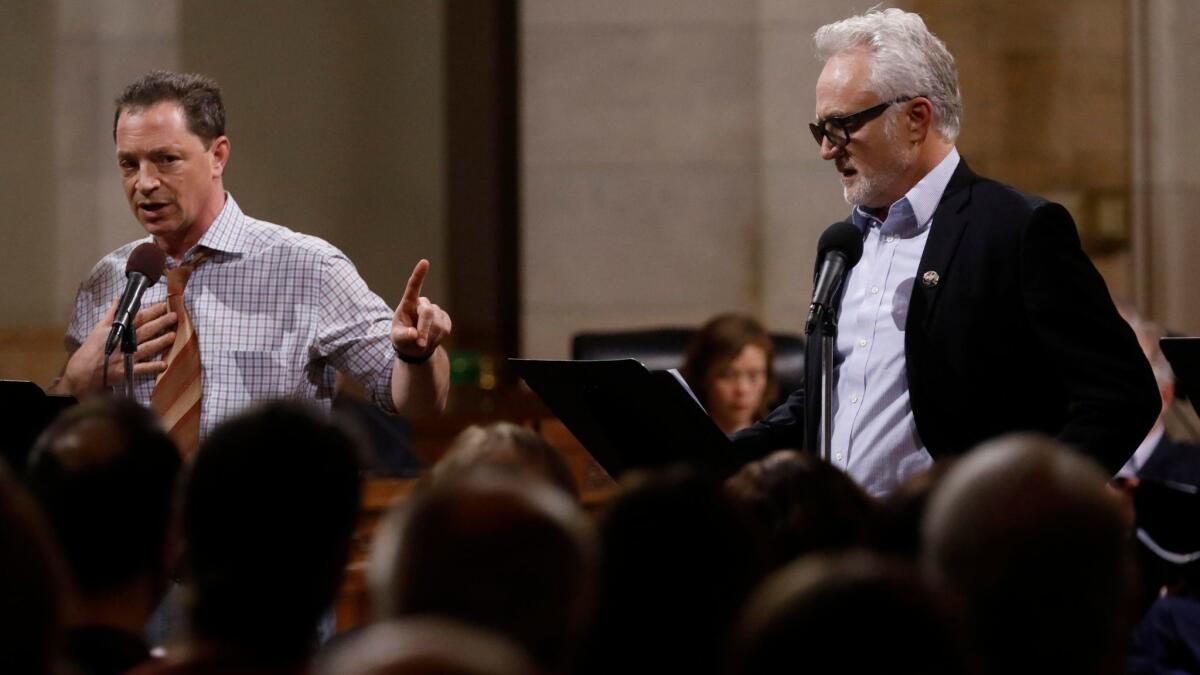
[(143, 270), (839, 249)]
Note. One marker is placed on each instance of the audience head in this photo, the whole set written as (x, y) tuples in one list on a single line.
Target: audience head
[(425, 646), (730, 367), (500, 551), (269, 509), (30, 584), (679, 558), (105, 473), (802, 505), (507, 447), (898, 530), (1029, 538), (848, 613)]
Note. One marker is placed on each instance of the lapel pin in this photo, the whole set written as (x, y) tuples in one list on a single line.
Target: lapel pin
[(930, 279)]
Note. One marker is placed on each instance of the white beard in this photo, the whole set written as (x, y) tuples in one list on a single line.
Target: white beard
[(863, 192), (868, 190)]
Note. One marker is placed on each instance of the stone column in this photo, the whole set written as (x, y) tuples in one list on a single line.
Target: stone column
[(800, 193), (1166, 175), (665, 171), (100, 45)]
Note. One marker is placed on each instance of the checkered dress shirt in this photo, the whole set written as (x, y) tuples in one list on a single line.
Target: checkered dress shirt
[(277, 313)]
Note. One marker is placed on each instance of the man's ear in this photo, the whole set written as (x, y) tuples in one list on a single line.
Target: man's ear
[(920, 119), (220, 155)]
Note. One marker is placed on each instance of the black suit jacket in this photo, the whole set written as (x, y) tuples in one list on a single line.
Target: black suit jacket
[(1018, 334), (1173, 461)]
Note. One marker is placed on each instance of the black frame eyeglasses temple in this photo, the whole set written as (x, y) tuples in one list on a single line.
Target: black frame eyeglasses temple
[(838, 129)]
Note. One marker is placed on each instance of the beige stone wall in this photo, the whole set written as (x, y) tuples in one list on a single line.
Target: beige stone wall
[(1047, 95), (1167, 173), (663, 169), (27, 183), (336, 123), (666, 171), (63, 61), (801, 193)]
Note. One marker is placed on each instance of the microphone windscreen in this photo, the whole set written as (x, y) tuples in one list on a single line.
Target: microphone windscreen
[(147, 260), (844, 237)]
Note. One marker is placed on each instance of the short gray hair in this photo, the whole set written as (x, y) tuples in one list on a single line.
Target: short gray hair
[(908, 60)]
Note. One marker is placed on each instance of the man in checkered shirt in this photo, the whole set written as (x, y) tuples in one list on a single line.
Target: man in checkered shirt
[(277, 313)]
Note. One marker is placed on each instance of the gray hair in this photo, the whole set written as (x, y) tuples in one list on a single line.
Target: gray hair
[(908, 60)]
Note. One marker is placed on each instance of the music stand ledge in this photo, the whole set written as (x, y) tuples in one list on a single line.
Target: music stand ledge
[(29, 411), (629, 417)]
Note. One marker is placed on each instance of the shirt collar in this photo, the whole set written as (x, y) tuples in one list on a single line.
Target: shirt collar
[(913, 212), (227, 233)]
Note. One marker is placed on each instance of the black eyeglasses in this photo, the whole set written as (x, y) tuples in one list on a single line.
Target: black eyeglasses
[(838, 129)]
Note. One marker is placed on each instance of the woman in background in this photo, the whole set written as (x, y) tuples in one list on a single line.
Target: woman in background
[(730, 367)]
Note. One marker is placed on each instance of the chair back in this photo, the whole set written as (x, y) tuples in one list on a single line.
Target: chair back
[(665, 348)]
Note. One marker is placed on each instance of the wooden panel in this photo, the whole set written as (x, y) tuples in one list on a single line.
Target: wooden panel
[(35, 354), (379, 495)]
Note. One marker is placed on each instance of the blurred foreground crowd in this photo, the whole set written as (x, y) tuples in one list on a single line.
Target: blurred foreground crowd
[(1017, 558)]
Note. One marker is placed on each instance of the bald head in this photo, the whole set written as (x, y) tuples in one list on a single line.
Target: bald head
[(800, 614), (495, 550), (105, 472), (1026, 534), (425, 646)]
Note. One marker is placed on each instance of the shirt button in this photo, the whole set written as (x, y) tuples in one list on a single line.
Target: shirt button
[(854, 398), (874, 290), (891, 238), (838, 457), (862, 343)]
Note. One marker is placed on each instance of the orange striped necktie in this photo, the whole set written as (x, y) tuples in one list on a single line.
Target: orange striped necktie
[(176, 396)]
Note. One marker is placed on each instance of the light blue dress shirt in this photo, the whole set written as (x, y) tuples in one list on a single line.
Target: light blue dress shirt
[(875, 437)]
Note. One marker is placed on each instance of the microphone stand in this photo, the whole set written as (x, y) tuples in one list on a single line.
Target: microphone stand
[(128, 347), (824, 323)]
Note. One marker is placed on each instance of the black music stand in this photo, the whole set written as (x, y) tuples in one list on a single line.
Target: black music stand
[(628, 417), (28, 410)]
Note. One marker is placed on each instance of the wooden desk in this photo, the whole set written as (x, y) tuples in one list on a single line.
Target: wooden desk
[(379, 495)]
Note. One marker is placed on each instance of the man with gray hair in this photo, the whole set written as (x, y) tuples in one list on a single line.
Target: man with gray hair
[(1159, 456), (974, 310)]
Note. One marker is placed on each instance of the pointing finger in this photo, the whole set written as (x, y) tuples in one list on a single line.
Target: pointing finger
[(412, 292)]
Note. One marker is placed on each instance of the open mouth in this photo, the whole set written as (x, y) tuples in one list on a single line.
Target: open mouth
[(152, 207)]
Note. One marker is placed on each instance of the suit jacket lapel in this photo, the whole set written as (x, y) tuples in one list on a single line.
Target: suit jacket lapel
[(933, 272)]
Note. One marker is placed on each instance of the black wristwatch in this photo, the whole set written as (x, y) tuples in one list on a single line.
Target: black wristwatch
[(413, 360)]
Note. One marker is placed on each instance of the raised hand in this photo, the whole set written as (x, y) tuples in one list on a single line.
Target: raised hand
[(418, 326)]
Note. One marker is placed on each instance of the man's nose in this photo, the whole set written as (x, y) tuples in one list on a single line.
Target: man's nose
[(147, 178), (828, 149)]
